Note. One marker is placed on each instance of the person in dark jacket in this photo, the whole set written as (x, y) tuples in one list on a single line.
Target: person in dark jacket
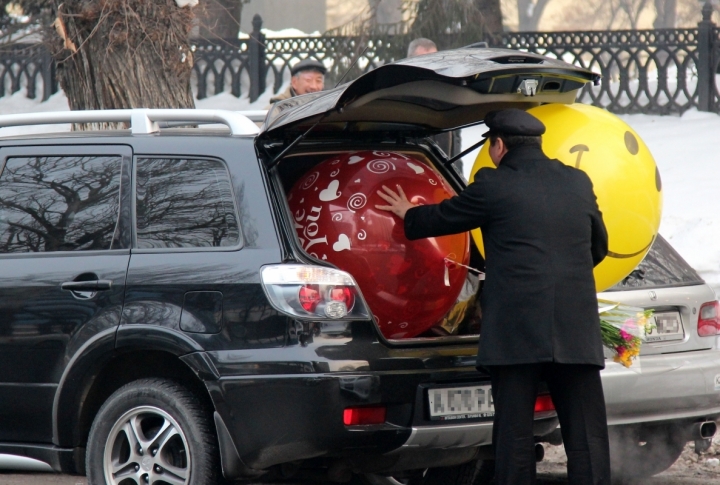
[(306, 76), (543, 234)]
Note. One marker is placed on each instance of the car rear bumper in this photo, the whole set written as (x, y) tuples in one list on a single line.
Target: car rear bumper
[(278, 419), (664, 387)]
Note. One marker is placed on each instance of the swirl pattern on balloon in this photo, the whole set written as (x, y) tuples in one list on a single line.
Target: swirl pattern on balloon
[(380, 166), (312, 178), (402, 281), (335, 172), (356, 202)]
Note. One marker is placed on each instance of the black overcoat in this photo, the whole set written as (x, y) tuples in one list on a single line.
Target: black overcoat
[(543, 233)]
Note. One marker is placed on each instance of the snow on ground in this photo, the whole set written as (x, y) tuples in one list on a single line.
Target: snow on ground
[(276, 34), (685, 149), (686, 152)]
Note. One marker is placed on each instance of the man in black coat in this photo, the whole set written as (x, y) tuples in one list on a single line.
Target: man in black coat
[(543, 234)]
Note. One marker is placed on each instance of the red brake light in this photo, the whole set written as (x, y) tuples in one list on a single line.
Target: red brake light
[(343, 294), (309, 296), (709, 319), (544, 403), (364, 415)]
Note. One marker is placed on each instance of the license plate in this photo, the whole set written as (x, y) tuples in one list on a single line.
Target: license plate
[(668, 326), (452, 403)]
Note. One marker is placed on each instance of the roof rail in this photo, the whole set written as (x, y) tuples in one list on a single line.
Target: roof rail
[(142, 121), (257, 115)]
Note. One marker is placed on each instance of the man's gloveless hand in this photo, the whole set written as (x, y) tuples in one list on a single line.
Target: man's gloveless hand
[(398, 202)]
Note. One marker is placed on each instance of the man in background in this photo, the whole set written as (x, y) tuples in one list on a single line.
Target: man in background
[(421, 46), (308, 76), (450, 143)]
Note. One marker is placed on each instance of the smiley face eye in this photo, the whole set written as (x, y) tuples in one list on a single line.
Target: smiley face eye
[(658, 180), (631, 143)]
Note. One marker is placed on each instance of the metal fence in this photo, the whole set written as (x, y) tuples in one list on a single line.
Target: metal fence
[(666, 71), (650, 71)]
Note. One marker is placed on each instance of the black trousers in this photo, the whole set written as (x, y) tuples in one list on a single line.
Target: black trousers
[(577, 393)]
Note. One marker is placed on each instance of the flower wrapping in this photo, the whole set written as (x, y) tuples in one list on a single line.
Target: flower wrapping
[(623, 329)]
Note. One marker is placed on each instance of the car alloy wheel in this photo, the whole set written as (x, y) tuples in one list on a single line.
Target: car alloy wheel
[(153, 431), (146, 445)]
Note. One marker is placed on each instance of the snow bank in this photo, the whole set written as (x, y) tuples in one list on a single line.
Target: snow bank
[(686, 153), (276, 34)]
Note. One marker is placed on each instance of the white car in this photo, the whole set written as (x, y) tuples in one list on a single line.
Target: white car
[(671, 394)]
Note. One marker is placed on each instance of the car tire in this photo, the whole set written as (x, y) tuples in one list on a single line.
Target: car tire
[(152, 429), (644, 452)]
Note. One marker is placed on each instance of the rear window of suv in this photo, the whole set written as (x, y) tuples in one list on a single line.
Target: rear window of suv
[(662, 266), (185, 203)]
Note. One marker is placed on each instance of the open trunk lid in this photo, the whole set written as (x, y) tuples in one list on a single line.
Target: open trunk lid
[(392, 109), (431, 93)]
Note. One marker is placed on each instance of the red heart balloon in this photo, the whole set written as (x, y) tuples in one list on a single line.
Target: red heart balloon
[(336, 220)]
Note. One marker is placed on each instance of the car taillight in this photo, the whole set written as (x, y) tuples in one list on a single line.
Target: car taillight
[(544, 403), (709, 319), (309, 296), (364, 415), (343, 294), (313, 292)]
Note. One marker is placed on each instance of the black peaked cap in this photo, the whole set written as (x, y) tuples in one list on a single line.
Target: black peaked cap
[(514, 121), (308, 65)]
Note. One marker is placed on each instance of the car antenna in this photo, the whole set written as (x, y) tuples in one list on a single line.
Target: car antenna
[(352, 65)]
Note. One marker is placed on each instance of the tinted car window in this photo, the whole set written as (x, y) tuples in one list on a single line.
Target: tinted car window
[(59, 203), (184, 203), (662, 266)]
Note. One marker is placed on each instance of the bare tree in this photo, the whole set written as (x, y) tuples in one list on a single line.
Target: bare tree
[(120, 53), (529, 14), (609, 14), (468, 20), (220, 19), (666, 14), (492, 12), (632, 9)]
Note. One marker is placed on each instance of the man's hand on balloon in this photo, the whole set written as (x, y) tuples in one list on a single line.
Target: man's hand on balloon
[(399, 203)]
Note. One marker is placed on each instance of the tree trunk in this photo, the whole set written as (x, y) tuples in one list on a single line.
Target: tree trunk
[(114, 54), (455, 23), (529, 14), (666, 14), (220, 19), (492, 14)]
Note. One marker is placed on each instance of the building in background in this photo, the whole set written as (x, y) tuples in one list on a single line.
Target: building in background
[(305, 15), (548, 15)]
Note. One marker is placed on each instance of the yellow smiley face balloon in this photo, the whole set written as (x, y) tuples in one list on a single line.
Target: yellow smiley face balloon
[(624, 175)]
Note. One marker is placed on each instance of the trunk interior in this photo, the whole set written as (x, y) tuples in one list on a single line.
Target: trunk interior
[(463, 319)]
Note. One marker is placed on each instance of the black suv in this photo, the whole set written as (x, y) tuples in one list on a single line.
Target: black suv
[(149, 317)]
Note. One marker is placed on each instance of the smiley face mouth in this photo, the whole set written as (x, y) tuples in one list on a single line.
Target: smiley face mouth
[(631, 255)]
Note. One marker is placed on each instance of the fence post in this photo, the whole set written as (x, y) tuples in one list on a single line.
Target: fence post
[(706, 66), (49, 75), (256, 51)]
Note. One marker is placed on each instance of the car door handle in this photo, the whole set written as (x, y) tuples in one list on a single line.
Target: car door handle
[(94, 285)]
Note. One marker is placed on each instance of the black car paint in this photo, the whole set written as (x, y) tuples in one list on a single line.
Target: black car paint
[(290, 380)]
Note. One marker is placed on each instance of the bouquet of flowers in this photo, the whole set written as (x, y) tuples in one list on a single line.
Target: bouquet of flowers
[(623, 329)]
